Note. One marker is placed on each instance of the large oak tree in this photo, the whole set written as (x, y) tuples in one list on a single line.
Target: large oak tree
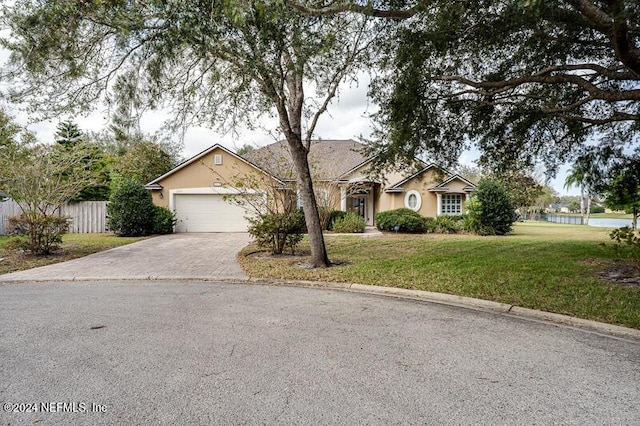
[(524, 79), (217, 63)]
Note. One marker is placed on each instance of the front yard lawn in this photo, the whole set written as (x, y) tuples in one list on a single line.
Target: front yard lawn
[(74, 246), (542, 266)]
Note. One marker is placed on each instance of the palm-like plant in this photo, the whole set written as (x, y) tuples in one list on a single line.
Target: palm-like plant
[(587, 173)]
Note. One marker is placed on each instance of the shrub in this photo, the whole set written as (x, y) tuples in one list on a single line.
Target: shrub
[(130, 210), (41, 233), (333, 216), (490, 211), (278, 231), (163, 220), (596, 209), (447, 224), (17, 225), (627, 236), (430, 224), (349, 223), (405, 220)]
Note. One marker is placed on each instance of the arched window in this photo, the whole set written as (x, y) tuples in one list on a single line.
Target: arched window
[(413, 200)]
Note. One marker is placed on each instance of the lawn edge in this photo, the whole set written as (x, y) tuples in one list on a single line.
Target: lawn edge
[(608, 330), (467, 303)]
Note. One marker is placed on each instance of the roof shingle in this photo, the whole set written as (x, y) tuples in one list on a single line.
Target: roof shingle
[(328, 159)]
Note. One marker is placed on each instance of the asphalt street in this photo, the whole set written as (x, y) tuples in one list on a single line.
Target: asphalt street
[(180, 352)]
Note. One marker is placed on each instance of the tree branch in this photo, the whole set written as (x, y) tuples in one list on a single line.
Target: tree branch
[(368, 9)]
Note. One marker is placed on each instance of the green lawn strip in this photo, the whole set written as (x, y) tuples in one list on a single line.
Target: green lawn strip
[(74, 246), (542, 266)]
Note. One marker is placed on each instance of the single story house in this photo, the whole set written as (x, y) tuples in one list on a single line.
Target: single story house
[(198, 190)]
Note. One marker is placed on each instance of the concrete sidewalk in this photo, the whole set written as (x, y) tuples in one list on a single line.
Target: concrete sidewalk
[(175, 256)]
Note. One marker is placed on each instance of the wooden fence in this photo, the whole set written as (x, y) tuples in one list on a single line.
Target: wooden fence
[(86, 216)]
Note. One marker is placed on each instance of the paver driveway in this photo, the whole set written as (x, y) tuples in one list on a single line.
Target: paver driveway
[(176, 256)]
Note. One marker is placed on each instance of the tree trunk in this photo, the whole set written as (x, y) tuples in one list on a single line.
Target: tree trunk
[(582, 199), (634, 222), (299, 154), (588, 212)]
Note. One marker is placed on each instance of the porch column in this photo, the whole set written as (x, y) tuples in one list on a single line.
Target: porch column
[(439, 203), (343, 198), (467, 198)]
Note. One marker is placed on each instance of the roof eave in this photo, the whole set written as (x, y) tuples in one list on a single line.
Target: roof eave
[(202, 154)]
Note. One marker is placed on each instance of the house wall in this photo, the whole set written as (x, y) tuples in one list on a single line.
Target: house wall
[(330, 193), (421, 184), (203, 173)]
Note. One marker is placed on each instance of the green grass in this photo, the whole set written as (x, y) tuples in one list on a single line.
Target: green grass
[(74, 246), (540, 266)]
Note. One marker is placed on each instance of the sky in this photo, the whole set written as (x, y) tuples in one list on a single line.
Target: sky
[(347, 118)]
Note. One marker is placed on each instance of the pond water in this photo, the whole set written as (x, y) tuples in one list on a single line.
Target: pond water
[(609, 223)]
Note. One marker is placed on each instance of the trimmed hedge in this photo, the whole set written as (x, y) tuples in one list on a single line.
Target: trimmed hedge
[(401, 220)]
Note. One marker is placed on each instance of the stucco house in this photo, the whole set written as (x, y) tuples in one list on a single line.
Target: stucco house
[(195, 190)]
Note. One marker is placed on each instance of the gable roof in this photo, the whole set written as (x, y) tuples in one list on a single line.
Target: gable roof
[(418, 173), (155, 185), (398, 186), (328, 159), (452, 178)]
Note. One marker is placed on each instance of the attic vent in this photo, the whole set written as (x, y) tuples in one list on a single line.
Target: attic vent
[(217, 159)]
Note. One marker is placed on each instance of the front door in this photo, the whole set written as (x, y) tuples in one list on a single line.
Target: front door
[(360, 207)]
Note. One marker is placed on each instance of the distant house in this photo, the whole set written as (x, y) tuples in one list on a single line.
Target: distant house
[(559, 208), (195, 190)]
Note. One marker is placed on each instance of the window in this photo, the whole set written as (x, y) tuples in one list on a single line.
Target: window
[(451, 204), (217, 159), (413, 200)]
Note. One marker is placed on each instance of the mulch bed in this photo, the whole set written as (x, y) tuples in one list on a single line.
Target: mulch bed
[(622, 273)]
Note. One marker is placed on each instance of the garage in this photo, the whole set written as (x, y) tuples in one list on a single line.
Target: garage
[(208, 213)]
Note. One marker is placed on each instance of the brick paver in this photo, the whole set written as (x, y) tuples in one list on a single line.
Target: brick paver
[(176, 256)]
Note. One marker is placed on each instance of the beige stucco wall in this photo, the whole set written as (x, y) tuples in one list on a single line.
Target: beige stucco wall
[(330, 193), (422, 184), (203, 173)]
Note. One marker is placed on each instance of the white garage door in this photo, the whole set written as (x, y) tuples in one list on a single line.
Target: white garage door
[(208, 213)]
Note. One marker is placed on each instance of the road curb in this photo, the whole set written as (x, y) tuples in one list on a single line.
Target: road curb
[(425, 296), (467, 303)]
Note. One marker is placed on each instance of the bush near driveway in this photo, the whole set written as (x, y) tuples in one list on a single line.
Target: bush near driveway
[(163, 220), (278, 231), (37, 233), (130, 210)]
